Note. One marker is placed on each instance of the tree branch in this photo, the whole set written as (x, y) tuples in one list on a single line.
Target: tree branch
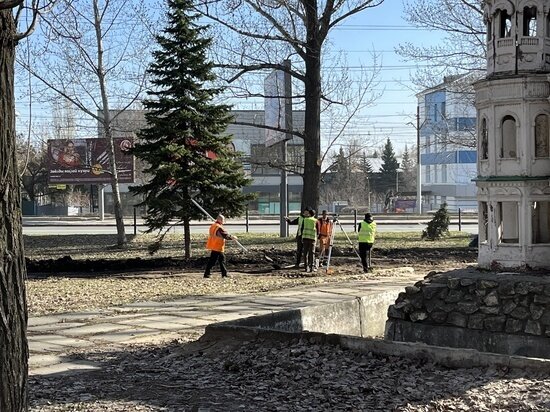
[(256, 67), (276, 129)]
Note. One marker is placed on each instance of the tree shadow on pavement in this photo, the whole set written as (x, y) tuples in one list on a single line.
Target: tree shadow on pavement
[(278, 376)]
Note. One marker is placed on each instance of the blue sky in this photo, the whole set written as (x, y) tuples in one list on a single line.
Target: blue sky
[(382, 29), (379, 29)]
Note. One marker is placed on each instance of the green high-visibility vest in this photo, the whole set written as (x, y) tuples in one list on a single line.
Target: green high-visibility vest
[(367, 232), (308, 231)]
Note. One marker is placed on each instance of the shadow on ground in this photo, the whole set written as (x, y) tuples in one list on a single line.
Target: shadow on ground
[(278, 376)]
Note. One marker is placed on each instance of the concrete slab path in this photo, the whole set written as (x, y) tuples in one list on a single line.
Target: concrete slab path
[(53, 336)]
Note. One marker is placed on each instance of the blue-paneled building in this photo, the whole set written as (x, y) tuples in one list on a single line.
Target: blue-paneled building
[(447, 146)]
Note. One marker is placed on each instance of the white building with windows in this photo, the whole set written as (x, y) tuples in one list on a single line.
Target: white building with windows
[(513, 111), (447, 146)]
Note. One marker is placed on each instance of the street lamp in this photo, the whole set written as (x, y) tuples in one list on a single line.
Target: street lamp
[(418, 162)]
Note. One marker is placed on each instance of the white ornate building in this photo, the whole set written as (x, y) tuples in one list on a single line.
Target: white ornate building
[(513, 118)]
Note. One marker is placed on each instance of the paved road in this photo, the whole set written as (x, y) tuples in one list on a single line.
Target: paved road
[(57, 228)]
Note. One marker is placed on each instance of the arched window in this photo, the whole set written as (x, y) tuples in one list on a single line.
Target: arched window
[(530, 21), (489, 30), (541, 136), (508, 222), (540, 213), (509, 146), (505, 24), (484, 138)]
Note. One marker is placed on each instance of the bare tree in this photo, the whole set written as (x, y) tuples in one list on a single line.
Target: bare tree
[(91, 55), (463, 48), (14, 351), (257, 36), (32, 168)]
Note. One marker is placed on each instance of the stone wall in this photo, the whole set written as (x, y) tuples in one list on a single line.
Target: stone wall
[(472, 307)]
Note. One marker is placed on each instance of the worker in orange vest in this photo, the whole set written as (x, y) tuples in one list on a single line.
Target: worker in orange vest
[(216, 244), (324, 230)]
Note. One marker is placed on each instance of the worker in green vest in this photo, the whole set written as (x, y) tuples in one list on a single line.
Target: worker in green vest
[(309, 236), (367, 233), (299, 246)]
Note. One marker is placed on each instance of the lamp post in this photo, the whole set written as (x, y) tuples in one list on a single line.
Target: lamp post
[(418, 161)]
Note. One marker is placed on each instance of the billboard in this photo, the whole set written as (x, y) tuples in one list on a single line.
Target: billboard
[(274, 106), (86, 161)]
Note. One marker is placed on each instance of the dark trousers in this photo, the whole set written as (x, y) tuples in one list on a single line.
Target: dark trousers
[(364, 254), (299, 250), (215, 257), (309, 252)]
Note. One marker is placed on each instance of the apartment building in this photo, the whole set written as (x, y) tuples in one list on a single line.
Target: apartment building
[(447, 145)]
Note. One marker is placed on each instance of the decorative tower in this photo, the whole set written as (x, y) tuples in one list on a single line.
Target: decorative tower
[(513, 115)]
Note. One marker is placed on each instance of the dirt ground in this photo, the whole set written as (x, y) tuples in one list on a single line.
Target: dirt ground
[(191, 374), (195, 375), (256, 261)]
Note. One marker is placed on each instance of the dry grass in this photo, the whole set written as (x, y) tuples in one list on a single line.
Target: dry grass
[(66, 294)]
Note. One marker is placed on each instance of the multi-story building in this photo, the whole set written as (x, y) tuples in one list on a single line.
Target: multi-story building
[(259, 161), (447, 146), (514, 137)]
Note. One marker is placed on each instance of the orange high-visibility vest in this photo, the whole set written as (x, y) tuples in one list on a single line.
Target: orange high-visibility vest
[(325, 227), (214, 241)]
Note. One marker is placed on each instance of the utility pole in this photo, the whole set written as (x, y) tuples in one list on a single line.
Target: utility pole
[(418, 164), (288, 126), (418, 161)]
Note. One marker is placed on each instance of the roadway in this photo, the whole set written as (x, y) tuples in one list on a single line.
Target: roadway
[(97, 228)]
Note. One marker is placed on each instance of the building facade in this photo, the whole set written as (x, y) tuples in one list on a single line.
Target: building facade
[(447, 146), (513, 111), (259, 161)]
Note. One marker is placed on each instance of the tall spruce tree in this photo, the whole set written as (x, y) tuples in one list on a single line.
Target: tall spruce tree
[(185, 144), (388, 170), (409, 171)]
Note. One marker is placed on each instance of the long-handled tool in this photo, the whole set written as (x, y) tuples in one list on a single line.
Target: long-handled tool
[(211, 218), (331, 243), (347, 237)]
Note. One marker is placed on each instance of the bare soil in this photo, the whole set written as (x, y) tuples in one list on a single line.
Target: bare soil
[(190, 374), (256, 261)]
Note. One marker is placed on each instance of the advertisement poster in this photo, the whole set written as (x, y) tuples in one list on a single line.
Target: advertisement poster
[(80, 161)]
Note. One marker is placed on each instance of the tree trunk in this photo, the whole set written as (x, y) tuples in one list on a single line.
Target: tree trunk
[(119, 218), (312, 133), (187, 238), (117, 204), (14, 350)]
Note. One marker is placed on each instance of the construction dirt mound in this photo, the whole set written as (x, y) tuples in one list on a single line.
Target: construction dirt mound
[(257, 261)]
